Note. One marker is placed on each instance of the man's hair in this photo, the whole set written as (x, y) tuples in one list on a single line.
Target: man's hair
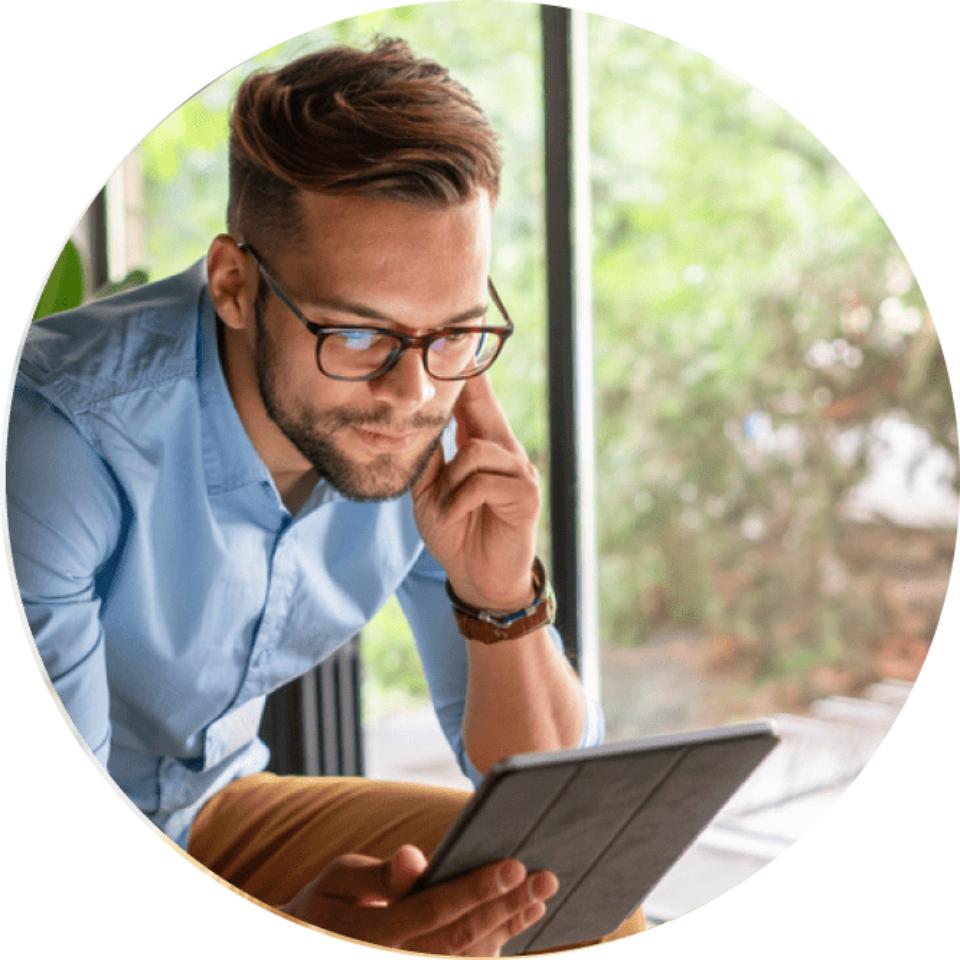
[(381, 122)]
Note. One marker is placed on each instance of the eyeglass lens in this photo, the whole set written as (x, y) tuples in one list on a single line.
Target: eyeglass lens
[(360, 353)]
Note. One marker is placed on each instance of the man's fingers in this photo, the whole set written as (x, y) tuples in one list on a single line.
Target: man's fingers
[(438, 907), (490, 945), (480, 416), (483, 930), (492, 490), (405, 867), (472, 915), (482, 456), (430, 474)]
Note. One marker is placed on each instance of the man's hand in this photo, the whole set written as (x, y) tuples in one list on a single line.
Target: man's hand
[(478, 513), (474, 915)]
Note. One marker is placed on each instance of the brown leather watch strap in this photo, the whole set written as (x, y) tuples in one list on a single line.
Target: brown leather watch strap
[(486, 626)]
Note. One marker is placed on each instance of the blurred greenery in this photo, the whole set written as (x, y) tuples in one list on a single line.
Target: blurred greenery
[(755, 324), (392, 676), (65, 287), (773, 324)]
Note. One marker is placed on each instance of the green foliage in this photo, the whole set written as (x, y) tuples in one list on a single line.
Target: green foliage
[(64, 288), (753, 316), (391, 668)]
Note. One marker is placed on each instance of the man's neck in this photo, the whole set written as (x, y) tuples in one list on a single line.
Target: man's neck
[(295, 489)]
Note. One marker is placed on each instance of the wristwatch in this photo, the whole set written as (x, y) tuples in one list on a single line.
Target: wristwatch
[(487, 626)]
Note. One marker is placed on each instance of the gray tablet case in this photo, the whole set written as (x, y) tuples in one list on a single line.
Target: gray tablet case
[(608, 821)]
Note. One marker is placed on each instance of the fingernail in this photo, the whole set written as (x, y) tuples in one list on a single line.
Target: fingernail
[(511, 874), (542, 886)]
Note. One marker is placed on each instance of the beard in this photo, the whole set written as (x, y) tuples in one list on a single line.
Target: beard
[(385, 477)]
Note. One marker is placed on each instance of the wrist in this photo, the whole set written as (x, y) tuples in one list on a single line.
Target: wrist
[(488, 624), (503, 603)]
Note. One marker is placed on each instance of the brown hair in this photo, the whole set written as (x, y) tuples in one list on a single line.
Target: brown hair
[(348, 121)]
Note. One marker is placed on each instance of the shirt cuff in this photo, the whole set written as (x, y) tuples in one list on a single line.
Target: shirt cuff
[(474, 775), (594, 725)]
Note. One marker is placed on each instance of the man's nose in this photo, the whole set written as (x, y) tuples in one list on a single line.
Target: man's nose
[(407, 386)]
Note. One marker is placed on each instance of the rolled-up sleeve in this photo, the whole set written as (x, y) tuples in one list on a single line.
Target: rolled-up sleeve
[(64, 517), (443, 653)]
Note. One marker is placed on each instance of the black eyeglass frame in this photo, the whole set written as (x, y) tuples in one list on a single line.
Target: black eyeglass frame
[(406, 341)]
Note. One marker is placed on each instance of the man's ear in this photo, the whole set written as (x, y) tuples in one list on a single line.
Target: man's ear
[(232, 279)]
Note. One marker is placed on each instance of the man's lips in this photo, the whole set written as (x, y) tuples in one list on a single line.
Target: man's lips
[(384, 440)]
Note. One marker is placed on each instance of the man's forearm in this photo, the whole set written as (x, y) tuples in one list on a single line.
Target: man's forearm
[(522, 695)]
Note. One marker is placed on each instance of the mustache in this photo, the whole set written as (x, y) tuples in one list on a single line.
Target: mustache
[(345, 417)]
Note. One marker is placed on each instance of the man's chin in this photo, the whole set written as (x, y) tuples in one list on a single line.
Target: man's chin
[(384, 476), (377, 480)]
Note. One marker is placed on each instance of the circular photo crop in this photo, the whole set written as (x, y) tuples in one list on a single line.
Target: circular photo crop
[(470, 381)]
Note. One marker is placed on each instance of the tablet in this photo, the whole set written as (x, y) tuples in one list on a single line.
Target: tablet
[(609, 821)]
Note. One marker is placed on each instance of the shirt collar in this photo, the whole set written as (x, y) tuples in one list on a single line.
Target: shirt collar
[(229, 457)]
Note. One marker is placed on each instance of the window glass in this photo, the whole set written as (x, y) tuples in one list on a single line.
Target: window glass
[(776, 444)]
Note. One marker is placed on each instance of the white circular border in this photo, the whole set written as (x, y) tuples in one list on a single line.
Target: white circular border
[(84, 82)]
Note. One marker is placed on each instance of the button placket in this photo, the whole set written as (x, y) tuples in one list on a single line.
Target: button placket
[(275, 611)]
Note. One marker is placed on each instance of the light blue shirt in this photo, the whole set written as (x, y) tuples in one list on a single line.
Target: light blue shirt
[(167, 586)]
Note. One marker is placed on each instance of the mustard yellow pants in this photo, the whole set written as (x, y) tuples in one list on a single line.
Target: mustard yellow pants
[(269, 835)]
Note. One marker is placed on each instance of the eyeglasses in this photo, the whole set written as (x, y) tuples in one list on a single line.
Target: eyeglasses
[(366, 352)]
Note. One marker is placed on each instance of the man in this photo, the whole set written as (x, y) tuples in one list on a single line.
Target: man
[(216, 480)]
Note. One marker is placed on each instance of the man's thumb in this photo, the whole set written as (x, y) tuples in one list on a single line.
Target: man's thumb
[(406, 865), (354, 877)]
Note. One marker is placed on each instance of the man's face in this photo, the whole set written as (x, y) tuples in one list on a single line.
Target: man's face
[(369, 261)]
